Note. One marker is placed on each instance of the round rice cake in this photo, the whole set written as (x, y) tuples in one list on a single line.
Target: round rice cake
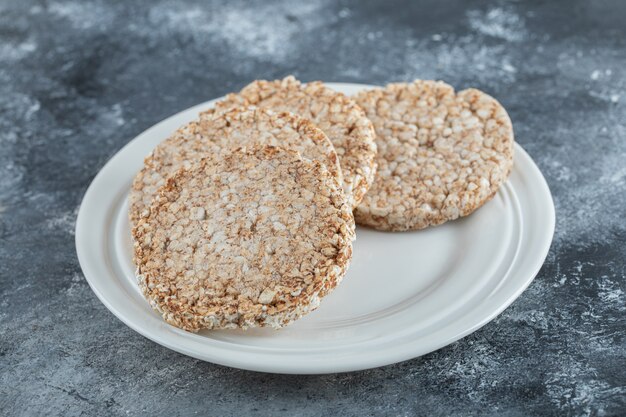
[(214, 133), (244, 239), (338, 116), (441, 154)]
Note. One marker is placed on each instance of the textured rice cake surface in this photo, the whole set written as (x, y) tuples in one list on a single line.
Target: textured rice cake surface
[(214, 133), (244, 239), (338, 116), (441, 154)]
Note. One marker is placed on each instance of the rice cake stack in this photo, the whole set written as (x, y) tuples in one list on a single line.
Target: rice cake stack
[(244, 217)]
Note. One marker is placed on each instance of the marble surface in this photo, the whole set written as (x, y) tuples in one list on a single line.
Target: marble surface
[(79, 79)]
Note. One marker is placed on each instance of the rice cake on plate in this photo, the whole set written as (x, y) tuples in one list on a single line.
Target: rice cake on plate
[(441, 154), (243, 239)]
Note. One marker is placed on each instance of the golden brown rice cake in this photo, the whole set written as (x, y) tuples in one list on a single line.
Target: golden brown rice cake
[(243, 239), (441, 154)]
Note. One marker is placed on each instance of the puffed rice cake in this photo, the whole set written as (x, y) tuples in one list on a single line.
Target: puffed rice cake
[(337, 115), (214, 133), (441, 154), (243, 239)]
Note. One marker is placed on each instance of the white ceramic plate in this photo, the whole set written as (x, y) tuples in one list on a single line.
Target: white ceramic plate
[(406, 294)]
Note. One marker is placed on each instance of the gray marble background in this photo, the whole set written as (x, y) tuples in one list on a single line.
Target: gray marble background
[(79, 79)]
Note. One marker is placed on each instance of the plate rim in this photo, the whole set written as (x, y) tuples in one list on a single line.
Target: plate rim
[(329, 366)]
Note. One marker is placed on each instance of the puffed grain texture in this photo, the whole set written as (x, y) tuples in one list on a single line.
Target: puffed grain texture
[(214, 133), (244, 239), (338, 116), (441, 154)]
